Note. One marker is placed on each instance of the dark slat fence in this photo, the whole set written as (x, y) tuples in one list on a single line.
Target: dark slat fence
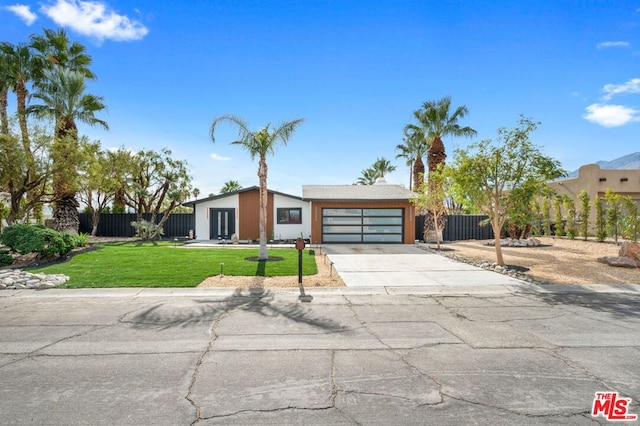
[(119, 224), (460, 227)]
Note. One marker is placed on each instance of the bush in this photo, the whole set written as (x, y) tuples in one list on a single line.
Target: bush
[(82, 240), (146, 230), (25, 239), (5, 258)]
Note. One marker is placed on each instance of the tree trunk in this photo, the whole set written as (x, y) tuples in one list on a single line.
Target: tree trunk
[(65, 214), (262, 175), (418, 173), (496, 233), (4, 121), (95, 220)]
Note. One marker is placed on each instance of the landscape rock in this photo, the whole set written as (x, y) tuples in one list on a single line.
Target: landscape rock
[(630, 250), (17, 279), (618, 261)]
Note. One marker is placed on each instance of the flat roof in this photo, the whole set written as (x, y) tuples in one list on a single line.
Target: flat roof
[(384, 192)]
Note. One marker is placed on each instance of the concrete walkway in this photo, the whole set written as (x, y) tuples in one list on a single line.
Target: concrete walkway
[(405, 265), (495, 356)]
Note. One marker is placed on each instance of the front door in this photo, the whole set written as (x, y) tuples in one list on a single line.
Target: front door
[(222, 223)]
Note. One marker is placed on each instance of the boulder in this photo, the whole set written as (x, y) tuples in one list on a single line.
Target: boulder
[(618, 261), (630, 250)]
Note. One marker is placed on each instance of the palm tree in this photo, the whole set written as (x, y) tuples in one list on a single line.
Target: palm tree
[(56, 49), (4, 92), (381, 167), (230, 186), (259, 144), (367, 177), (64, 99), (20, 66), (436, 121), (414, 148)]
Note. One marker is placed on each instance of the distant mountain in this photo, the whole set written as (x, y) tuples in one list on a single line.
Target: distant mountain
[(629, 161)]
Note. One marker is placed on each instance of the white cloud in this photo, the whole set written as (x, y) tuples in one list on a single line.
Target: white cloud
[(94, 19), (631, 86), (611, 115), (606, 44), (219, 157), (24, 13)]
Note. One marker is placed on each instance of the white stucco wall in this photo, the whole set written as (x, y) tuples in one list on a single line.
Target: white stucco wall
[(202, 214), (291, 231)]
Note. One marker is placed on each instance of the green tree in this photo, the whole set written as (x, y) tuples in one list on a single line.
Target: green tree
[(494, 178), (368, 176), (585, 209), (570, 207), (64, 100), (98, 181), (428, 201), (155, 183), (614, 213), (558, 223), (260, 143), (413, 150), (546, 215), (631, 223), (230, 186), (601, 223)]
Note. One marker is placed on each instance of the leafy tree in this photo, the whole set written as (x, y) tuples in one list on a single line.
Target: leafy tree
[(154, 183), (98, 181), (63, 99), (585, 209), (558, 223), (428, 201), (494, 178), (259, 144), (414, 148), (631, 222), (614, 213), (230, 186), (601, 223), (570, 208)]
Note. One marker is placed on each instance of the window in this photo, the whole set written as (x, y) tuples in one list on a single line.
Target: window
[(289, 216)]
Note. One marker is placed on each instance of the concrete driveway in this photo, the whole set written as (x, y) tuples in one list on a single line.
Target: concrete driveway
[(406, 265)]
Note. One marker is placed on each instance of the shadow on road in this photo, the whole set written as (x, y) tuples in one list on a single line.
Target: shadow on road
[(619, 305), (256, 300)]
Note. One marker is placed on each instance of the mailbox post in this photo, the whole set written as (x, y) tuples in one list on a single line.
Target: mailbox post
[(300, 247)]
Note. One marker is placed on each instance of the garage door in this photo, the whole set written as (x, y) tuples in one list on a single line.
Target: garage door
[(362, 225)]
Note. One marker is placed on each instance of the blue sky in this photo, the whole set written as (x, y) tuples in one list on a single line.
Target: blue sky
[(355, 70)]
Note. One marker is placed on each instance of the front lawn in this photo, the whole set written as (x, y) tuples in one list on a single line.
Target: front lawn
[(152, 264)]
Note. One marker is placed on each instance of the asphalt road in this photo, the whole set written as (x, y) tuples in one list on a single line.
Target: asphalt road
[(511, 355)]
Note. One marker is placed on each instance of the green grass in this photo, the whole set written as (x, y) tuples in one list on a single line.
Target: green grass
[(161, 264)]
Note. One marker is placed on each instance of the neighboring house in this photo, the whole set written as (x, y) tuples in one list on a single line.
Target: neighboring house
[(596, 181), (238, 212), (379, 213)]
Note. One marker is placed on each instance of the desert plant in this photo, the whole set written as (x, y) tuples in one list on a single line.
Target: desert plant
[(601, 228), (82, 240), (631, 221), (546, 216), (584, 213), (147, 230)]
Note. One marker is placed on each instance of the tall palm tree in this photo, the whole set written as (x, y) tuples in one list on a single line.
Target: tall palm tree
[(63, 98), (4, 92), (381, 167), (56, 49), (259, 144), (414, 148), (367, 177), (230, 186), (21, 65), (436, 121)]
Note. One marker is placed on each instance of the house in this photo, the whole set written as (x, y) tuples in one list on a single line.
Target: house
[(379, 213), (238, 212), (595, 181)]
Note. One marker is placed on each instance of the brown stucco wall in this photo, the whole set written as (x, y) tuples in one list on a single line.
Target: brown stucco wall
[(317, 206)]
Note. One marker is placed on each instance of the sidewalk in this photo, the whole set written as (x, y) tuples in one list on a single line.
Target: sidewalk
[(426, 355)]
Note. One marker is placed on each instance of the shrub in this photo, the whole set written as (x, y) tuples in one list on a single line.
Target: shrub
[(146, 229), (25, 239), (584, 213), (82, 240), (5, 258), (601, 228)]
